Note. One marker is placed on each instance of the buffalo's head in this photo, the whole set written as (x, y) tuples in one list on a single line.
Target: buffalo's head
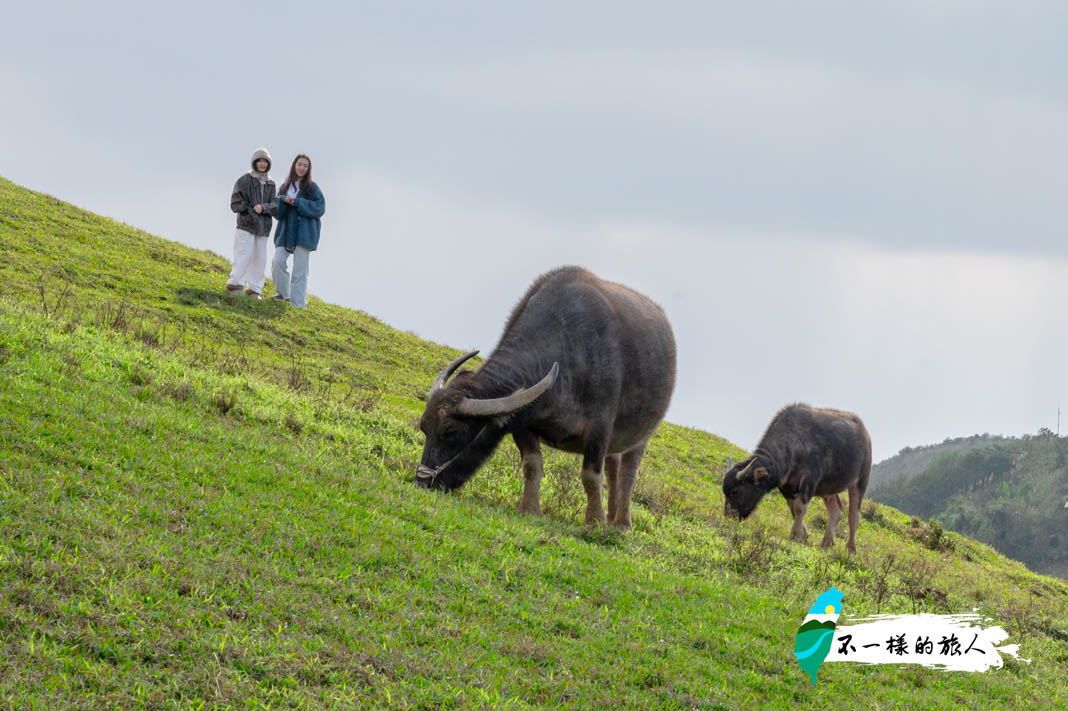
[(744, 486), (461, 430)]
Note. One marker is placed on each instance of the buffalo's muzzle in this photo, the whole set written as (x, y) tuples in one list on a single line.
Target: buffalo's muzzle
[(729, 512), (425, 476)]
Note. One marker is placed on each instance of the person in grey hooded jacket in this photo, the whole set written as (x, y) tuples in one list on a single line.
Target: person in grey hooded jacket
[(255, 201)]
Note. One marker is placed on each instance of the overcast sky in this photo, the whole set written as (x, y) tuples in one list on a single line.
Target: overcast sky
[(858, 205)]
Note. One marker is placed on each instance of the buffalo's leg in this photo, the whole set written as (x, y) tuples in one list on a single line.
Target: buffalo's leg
[(628, 475), (855, 495), (611, 473), (798, 508), (834, 512), (592, 464), (841, 507), (530, 450)]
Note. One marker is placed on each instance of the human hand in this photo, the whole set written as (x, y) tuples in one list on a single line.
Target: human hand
[(258, 208), (289, 200)]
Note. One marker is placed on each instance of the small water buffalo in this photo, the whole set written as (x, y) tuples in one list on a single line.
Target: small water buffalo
[(805, 452), (584, 365)]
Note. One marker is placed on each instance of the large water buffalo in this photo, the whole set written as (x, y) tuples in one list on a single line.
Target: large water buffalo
[(805, 452), (584, 365)]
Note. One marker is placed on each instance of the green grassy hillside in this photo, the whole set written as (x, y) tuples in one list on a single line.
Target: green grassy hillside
[(207, 503)]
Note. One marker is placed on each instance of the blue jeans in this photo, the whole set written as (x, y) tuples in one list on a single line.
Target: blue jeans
[(294, 288)]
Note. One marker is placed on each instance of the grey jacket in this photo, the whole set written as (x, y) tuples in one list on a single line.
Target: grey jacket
[(248, 192)]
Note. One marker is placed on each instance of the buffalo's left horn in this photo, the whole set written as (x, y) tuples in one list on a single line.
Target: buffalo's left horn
[(746, 472), (444, 375), (511, 403)]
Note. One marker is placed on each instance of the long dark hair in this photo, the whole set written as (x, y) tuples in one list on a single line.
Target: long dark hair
[(304, 183)]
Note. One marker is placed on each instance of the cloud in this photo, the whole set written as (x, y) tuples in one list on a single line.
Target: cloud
[(704, 137)]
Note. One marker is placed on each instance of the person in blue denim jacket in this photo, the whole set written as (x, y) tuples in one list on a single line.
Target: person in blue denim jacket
[(300, 206)]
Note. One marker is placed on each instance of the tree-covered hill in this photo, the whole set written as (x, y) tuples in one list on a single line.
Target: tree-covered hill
[(206, 503), (910, 461), (1011, 495)]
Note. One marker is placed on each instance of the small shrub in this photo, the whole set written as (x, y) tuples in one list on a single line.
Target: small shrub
[(603, 536), (937, 539), (932, 535), (294, 425), (844, 558), (916, 577), (118, 319), (138, 376), (148, 336), (750, 550), (181, 392), (297, 380), (659, 497), (562, 490), (225, 400), (869, 510), (877, 582)]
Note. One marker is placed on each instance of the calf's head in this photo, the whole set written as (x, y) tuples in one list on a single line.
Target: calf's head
[(462, 430), (744, 485)]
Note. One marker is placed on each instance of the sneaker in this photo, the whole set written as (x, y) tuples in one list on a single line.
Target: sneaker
[(252, 294), (233, 287), (279, 297)]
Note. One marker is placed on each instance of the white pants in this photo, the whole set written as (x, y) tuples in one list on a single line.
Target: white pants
[(250, 257), (294, 288)]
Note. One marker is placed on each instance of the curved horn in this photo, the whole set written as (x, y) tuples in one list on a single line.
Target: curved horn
[(746, 472), (439, 383), (511, 403)]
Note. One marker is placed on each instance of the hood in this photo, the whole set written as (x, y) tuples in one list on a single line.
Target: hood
[(261, 153)]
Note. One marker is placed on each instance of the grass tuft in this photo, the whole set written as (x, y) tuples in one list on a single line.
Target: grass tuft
[(225, 400)]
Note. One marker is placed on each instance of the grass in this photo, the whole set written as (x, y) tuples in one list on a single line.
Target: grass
[(206, 503)]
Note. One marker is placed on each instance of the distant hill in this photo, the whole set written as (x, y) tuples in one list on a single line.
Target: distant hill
[(910, 461), (1010, 493)]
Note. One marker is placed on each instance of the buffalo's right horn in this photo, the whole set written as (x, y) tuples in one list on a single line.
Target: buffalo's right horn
[(746, 472), (444, 375), (504, 405)]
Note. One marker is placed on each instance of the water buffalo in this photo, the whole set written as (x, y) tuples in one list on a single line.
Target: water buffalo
[(805, 452), (584, 365)]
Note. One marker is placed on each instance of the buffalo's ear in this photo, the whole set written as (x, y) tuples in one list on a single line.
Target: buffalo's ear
[(759, 473)]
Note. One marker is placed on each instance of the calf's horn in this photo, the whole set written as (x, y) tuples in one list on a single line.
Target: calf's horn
[(747, 471), (444, 375), (510, 403)]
